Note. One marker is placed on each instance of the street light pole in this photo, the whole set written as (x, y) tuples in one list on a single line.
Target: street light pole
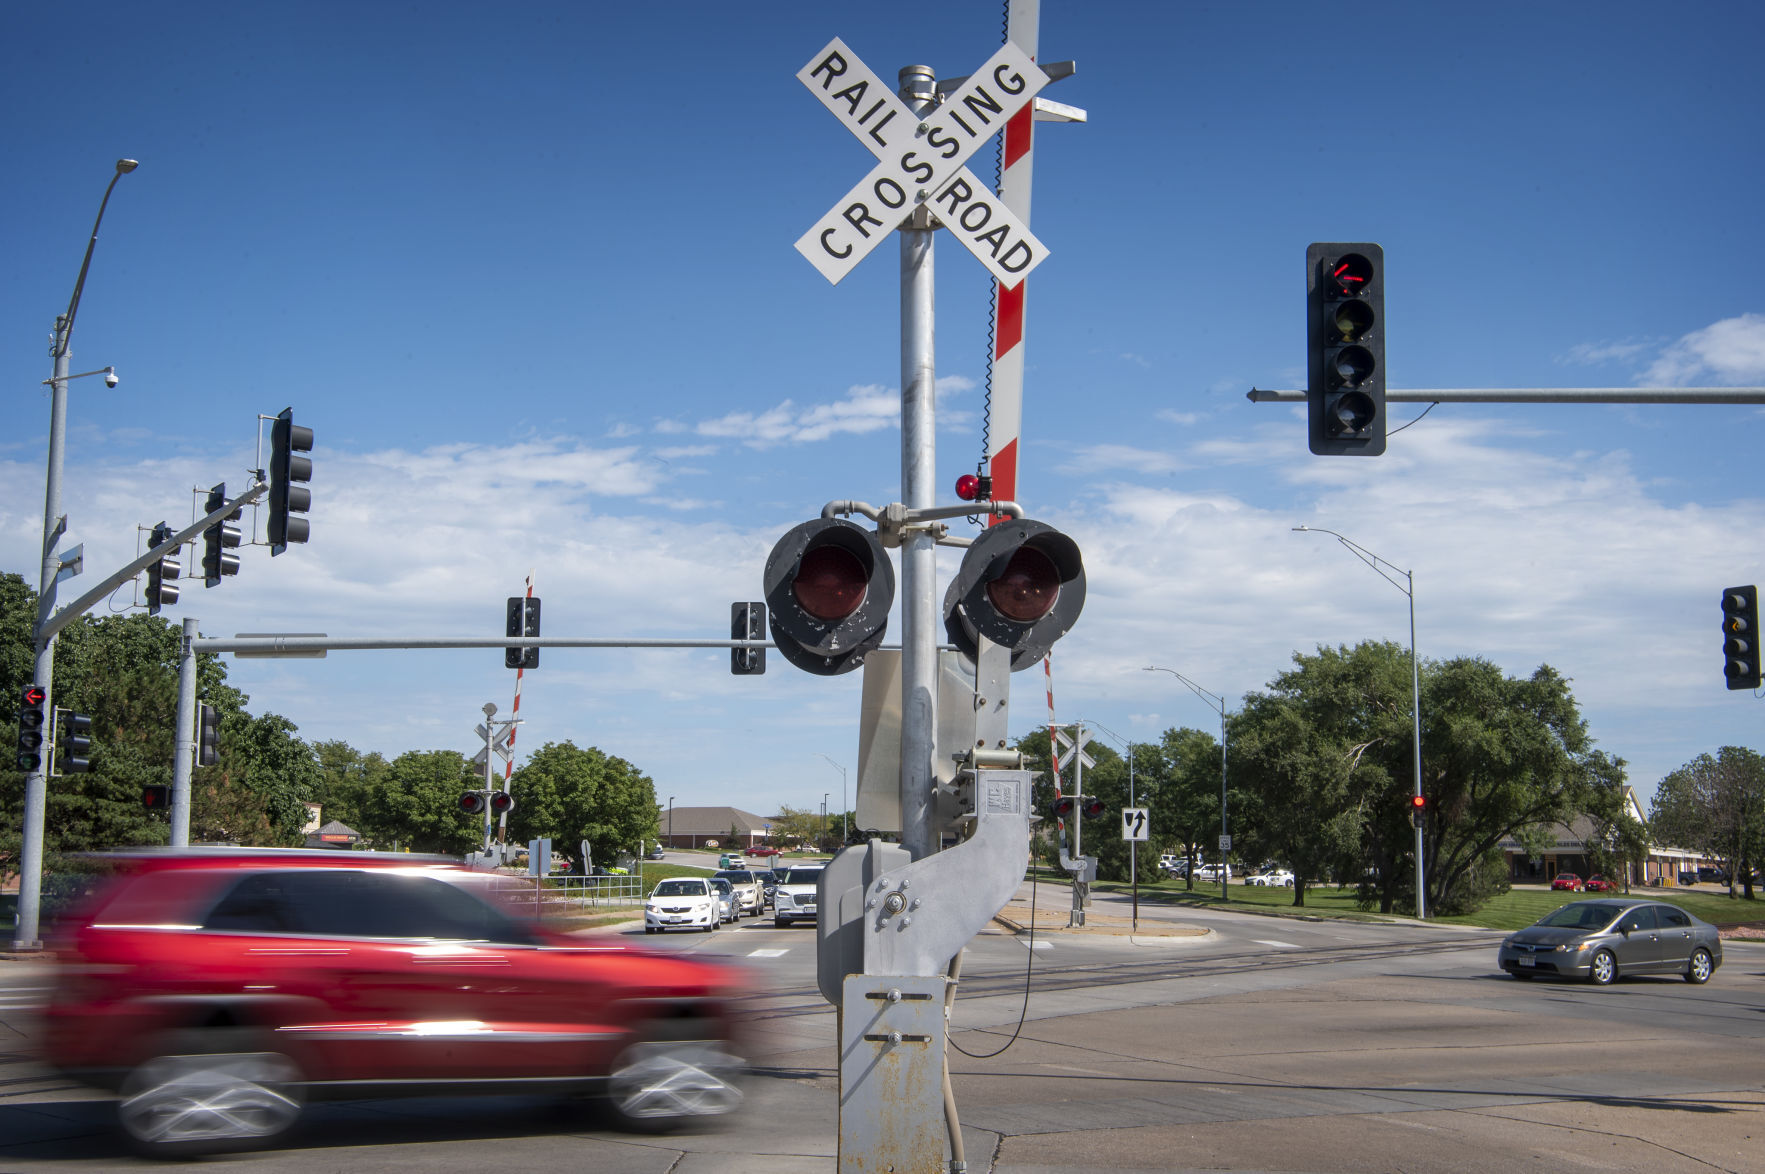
[(30, 857), (845, 818), (671, 821), (1408, 587), (1219, 703)]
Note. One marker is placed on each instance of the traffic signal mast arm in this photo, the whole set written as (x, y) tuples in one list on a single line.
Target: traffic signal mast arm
[(84, 603)]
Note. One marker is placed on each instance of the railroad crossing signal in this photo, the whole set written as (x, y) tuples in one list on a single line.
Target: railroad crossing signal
[(828, 590), (1345, 337), (1021, 585), (921, 162)]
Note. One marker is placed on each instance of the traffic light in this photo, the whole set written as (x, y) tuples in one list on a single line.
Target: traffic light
[(156, 797), (73, 733), (472, 802), (523, 621), (30, 728), (288, 476), (1021, 585), (219, 540), (747, 621), (161, 586), (1345, 336), (501, 803), (1418, 808), (1740, 637), (828, 590), (208, 735)]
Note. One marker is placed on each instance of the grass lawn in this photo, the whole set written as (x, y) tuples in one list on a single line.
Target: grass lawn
[(1514, 909)]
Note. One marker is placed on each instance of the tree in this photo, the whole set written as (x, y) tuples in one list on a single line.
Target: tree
[(1717, 806), (797, 824), (1185, 795), (415, 801), (572, 794)]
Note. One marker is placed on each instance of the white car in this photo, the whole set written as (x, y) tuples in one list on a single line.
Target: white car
[(682, 902), (1274, 877), (794, 899), (1211, 872)]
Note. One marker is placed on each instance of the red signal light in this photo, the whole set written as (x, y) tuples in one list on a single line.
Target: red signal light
[(501, 803), (1062, 806), (830, 583), (1418, 802), (1028, 587), (968, 487), (35, 694)]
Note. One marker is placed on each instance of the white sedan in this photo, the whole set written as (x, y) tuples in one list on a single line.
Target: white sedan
[(1274, 877), (682, 902)]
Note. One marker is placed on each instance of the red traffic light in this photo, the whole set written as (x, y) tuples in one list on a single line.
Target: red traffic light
[(156, 797), (501, 803), (472, 802), (830, 583), (1093, 807), (35, 695), (1418, 802)]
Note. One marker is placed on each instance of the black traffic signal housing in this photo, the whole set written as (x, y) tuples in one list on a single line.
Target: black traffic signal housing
[(73, 737), (523, 613), (1063, 806), (747, 621), (472, 803), (219, 540), (156, 797), (162, 587), (1740, 637), (501, 803), (1092, 807), (289, 473), (208, 735), (1345, 348), (1021, 585), (828, 590), (1418, 809), (32, 717)]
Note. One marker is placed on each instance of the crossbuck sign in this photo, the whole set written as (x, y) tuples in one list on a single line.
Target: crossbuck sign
[(921, 162)]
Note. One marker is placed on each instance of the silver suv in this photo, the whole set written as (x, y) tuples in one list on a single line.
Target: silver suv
[(794, 899), (750, 894)]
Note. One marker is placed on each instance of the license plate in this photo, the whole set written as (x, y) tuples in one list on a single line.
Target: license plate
[(1526, 960)]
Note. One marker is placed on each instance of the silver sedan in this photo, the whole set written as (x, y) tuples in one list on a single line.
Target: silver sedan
[(1601, 940)]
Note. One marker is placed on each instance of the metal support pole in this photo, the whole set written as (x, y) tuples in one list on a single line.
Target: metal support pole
[(489, 786), (1077, 916), (1225, 833), (1416, 718), (184, 751), (919, 566)]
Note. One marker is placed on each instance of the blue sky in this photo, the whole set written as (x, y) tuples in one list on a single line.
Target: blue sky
[(527, 271)]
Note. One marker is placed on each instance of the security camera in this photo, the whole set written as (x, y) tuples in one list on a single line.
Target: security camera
[(110, 379)]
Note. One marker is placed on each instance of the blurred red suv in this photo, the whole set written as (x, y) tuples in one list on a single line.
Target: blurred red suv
[(214, 990), (1567, 880), (763, 850)]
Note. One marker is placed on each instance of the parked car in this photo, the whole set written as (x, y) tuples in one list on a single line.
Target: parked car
[(1714, 876), (762, 850), (1567, 881), (1604, 939), (750, 893), (794, 899), (1212, 872), (1598, 883), (218, 989), (656, 852), (682, 902), (1271, 877)]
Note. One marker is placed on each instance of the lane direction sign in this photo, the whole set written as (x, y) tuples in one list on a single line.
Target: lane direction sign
[(921, 162), (1136, 825)]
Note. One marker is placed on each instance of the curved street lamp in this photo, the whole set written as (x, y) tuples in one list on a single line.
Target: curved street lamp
[(1385, 571), (1216, 702), (845, 818), (30, 856)]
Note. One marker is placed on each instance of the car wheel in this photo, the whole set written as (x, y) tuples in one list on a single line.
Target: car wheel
[(209, 1092), (657, 1086), (1701, 967), (1603, 969)]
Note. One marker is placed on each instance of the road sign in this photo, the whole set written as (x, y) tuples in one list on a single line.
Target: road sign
[(921, 162), (1135, 824), (1064, 742), (1225, 843)]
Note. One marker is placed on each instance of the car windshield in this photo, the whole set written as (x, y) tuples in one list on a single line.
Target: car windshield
[(680, 888), (735, 877), (721, 885), (802, 876), (1581, 915)]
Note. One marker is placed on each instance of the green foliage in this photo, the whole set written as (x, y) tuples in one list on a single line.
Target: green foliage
[(1716, 806), (415, 802), (572, 794)]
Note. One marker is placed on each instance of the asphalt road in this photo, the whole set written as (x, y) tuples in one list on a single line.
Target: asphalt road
[(1265, 1044)]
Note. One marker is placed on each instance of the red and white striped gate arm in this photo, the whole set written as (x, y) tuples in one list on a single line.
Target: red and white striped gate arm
[(1023, 17), (509, 765)]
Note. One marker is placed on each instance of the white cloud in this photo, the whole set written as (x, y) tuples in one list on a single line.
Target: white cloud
[(1117, 460), (1725, 353)]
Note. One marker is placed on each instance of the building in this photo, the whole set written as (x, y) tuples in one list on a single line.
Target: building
[(731, 827), (1567, 852)]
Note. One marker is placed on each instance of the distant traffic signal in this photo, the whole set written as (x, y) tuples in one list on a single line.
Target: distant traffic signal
[(31, 719), (1345, 343), (1021, 585), (73, 734), (1740, 637), (289, 474), (747, 621), (162, 587), (156, 797), (208, 735), (523, 620), (828, 591), (472, 802), (1418, 808), (219, 540)]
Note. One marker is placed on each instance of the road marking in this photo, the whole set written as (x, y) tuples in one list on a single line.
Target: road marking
[(767, 953), (1038, 944), (1277, 945)]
